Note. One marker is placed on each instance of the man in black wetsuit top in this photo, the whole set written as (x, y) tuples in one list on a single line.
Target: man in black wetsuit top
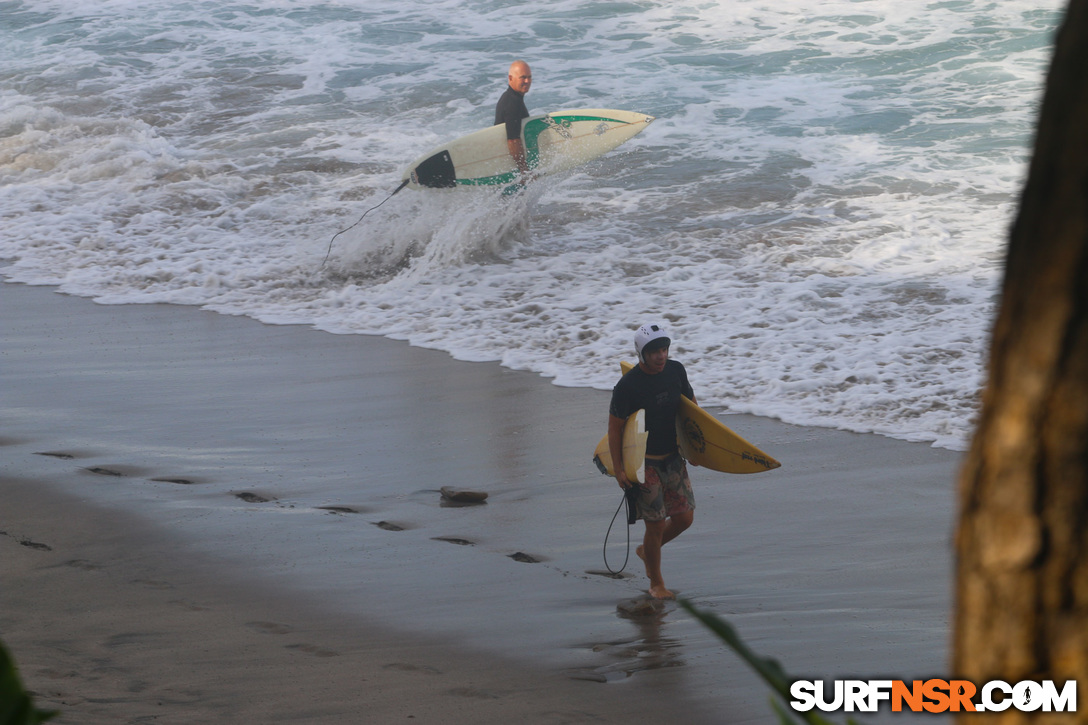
[(510, 110), (665, 502)]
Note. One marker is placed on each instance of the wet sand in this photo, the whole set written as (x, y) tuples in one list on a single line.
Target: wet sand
[(110, 624), (209, 519)]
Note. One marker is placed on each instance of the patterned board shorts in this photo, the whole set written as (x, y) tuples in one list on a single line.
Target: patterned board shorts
[(667, 490)]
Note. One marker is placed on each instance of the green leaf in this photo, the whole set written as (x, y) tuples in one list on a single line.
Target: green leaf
[(769, 670), (16, 705)]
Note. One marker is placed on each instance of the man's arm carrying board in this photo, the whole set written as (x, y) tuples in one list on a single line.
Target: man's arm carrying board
[(705, 441), (634, 449)]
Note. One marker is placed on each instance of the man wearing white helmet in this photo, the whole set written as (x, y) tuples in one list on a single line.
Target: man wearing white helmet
[(665, 502)]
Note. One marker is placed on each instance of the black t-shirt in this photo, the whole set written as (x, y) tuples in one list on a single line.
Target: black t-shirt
[(659, 395), (510, 110)]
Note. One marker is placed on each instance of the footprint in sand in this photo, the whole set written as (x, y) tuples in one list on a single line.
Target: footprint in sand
[(58, 674), (56, 454), (453, 540), (250, 497), (312, 649), (101, 471), (408, 667), (179, 481), (116, 470), (569, 716), (189, 606), (35, 545), (523, 557), (153, 584), (388, 526), (471, 692), (269, 627), (338, 509), (125, 639), (609, 574), (83, 564)]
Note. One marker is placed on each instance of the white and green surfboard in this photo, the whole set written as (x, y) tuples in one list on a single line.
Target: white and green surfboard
[(553, 142)]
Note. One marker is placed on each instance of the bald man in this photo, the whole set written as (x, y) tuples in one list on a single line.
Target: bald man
[(511, 109)]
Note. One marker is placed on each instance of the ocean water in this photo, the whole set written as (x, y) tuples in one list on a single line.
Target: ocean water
[(819, 210)]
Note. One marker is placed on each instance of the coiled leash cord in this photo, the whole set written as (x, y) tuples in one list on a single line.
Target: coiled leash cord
[(629, 499)]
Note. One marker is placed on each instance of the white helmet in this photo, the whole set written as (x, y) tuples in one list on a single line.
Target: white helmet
[(653, 332)]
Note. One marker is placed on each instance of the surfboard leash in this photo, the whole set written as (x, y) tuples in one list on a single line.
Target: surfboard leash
[(628, 498), (334, 236)]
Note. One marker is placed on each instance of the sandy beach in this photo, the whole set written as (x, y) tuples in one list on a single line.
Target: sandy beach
[(210, 519)]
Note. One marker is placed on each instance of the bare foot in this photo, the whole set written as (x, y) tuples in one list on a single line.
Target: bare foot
[(661, 593)]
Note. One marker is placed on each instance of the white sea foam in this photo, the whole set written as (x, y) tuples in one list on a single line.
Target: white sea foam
[(819, 209)]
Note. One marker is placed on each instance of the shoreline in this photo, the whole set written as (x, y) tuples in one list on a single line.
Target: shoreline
[(295, 447)]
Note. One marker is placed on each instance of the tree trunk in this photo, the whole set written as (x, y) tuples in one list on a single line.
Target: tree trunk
[(1022, 541)]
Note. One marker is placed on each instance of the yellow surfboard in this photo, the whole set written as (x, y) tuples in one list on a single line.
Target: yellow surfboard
[(634, 449), (705, 441)]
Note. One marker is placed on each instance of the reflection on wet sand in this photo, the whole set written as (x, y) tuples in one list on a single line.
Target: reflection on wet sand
[(648, 650)]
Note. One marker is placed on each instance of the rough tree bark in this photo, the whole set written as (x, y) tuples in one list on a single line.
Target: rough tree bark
[(1022, 540)]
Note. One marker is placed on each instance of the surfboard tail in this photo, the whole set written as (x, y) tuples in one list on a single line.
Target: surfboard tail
[(435, 172), (634, 449)]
